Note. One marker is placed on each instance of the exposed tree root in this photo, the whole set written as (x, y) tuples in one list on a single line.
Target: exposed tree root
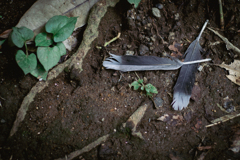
[(74, 63)]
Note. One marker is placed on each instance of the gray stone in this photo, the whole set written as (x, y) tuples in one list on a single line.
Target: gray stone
[(156, 12), (158, 102), (129, 52), (3, 121), (143, 49), (159, 6)]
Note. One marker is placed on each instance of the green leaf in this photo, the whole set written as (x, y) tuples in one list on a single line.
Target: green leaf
[(40, 72), (135, 2), (150, 88), (1, 42), (49, 56), (142, 88), (140, 81), (20, 35), (61, 27), (41, 40), (62, 48), (135, 85), (26, 63)]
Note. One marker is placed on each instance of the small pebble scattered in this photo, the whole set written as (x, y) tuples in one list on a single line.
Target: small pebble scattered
[(156, 12)]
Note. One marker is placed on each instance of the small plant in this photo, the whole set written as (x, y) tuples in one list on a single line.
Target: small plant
[(135, 2), (149, 88), (49, 43)]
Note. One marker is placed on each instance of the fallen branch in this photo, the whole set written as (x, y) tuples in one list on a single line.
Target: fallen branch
[(229, 45)]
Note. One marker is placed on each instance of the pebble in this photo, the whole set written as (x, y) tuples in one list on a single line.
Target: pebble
[(176, 16), (171, 36), (153, 39), (3, 121), (158, 102), (143, 49), (129, 52), (159, 6), (156, 12), (129, 46)]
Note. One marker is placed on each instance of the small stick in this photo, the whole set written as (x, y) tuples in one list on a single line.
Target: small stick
[(221, 15), (114, 39), (2, 98), (200, 148), (223, 119), (229, 45)]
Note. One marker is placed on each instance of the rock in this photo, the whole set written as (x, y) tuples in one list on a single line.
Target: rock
[(171, 36), (156, 12), (143, 49), (228, 104), (138, 18), (176, 16), (153, 38), (158, 102), (159, 6), (129, 46), (3, 121), (129, 52), (131, 24)]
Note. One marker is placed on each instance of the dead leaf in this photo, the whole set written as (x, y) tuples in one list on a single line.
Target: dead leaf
[(234, 71), (6, 33), (176, 47), (42, 10), (172, 119), (135, 118)]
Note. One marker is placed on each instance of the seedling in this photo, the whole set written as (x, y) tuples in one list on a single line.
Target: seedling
[(149, 88), (49, 45)]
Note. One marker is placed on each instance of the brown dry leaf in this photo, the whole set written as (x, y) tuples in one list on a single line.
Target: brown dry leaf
[(234, 71), (172, 119), (6, 33), (42, 10), (176, 47)]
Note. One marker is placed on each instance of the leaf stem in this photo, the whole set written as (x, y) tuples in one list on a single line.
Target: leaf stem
[(26, 48)]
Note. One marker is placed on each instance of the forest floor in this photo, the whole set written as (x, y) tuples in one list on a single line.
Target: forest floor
[(73, 112)]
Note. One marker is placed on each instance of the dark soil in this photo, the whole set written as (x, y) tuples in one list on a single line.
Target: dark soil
[(71, 113)]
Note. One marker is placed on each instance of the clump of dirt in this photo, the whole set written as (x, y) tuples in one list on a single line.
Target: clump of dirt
[(71, 113)]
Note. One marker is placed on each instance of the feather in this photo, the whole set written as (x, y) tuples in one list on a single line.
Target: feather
[(142, 63), (183, 87)]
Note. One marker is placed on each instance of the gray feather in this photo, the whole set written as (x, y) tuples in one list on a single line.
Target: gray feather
[(183, 87), (143, 63)]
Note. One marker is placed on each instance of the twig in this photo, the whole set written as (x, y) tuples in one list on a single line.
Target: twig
[(200, 148), (221, 15), (2, 98), (223, 119), (229, 45), (114, 39), (137, 75)]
